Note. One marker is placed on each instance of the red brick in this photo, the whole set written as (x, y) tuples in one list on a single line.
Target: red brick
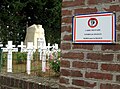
[(67, 20), (118, 27), (73, 88), (65, 46), (95, 75), (78, 46), (111, 67), (65, 63), (73, 55), (90, 65), (62, 87), (66, 12), (85, 10), (111, 47), (109, 86), (67, 37), (118, 37), (65, 72), (73, 3), (95, 2), (92, 2), (76, 73), (66, 28), (118, 57), (83, 83), (100, 56), (118, 78), (118, 19), (113, 8), (64, 80)]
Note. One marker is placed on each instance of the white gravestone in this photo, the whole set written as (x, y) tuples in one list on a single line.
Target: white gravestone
[(10, 48), (23, 47), (35, 32), (44, 49), (30, 50)]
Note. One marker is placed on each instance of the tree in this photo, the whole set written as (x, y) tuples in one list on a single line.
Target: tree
[(15, 15)]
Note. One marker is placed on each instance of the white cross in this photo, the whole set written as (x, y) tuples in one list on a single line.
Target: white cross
[(23, 47), (10, 48), (44, 59), (1, 45), (42, 49), (56, 46), (48, 49), (55, 50), (30, 49)]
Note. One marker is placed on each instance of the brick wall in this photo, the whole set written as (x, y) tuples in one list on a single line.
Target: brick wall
[(18, 81), (89, 66)]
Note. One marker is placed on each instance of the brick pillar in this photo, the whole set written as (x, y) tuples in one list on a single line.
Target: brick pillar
[(89, 66)]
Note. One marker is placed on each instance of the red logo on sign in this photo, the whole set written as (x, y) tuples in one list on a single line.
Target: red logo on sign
[(92, 22)]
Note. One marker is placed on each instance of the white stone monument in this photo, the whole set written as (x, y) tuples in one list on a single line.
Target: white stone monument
[(34, 33)]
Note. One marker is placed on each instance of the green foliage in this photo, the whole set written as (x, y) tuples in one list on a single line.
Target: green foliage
[(16, 15), (36, 55), (12, 25), (21, 57), (4, 58), (55, 62)]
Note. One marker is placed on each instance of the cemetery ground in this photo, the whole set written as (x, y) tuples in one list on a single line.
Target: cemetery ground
[(19, 62), (41, 66)]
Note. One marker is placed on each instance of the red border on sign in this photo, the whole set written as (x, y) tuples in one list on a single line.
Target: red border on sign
[(75, 29), (92, 41)]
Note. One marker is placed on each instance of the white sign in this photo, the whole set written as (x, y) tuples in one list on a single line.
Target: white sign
[(94, 28)]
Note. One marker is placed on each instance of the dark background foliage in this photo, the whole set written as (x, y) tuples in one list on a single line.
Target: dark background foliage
[(16, 15)]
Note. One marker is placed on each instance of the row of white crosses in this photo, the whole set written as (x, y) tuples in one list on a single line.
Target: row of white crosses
[(30, 49), (11, 48)]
